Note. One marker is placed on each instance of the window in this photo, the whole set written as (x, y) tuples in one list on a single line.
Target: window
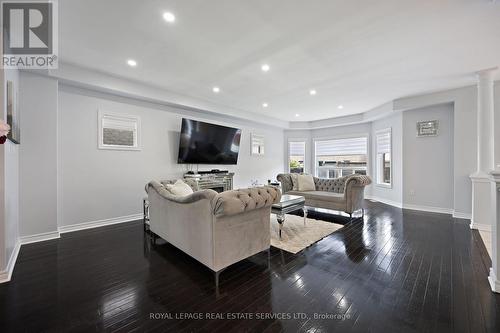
[(384, 157), (341, 157), (257, 144), (296, 156), (117, 131)]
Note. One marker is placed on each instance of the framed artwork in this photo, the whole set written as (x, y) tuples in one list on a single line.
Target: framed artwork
[(12, 114), (427, 128)]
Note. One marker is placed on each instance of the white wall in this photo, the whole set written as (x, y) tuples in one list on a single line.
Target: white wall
[(465, 138), (497, 125), (102, 184), (11, 178), (38, 155), (428, 161)]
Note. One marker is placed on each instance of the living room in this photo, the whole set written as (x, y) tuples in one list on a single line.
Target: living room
[(356, 186)]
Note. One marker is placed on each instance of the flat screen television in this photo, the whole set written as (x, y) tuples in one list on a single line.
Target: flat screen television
[(204, 143)]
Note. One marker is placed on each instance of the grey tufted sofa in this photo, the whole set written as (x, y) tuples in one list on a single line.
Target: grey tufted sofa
[(345, 193), (217, 229)]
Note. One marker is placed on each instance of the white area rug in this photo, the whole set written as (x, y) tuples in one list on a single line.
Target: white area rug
[(295, 236)]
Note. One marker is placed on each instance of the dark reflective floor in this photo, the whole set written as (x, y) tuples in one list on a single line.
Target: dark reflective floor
[(395, 271)]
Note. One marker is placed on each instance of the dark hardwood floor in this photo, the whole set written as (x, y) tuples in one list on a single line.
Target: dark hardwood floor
[(396, 271)]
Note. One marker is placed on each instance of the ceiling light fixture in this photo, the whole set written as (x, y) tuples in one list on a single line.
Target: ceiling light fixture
[(132, 62), (265, 68), (265, 105), (297, 115), (216, 89), (312, 92), (169, 17), (340, 107)]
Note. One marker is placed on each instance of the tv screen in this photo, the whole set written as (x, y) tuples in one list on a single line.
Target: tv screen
[(204, 143)]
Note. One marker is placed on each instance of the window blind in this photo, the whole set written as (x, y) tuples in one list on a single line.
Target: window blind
[(384, 143), (348, 146), (297, 148)]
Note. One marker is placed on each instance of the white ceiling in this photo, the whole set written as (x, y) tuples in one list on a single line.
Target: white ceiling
[(359, 54)]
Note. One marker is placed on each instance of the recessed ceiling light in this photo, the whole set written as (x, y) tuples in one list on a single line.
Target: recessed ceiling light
[(169, 17), (265, 68), (340, 107), (132, 62), (265, 105), (297, 115), (216, 89), (312, 92)]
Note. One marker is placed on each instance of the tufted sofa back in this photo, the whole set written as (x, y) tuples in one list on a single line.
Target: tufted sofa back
[(242, 200), (225, 203), (336, 185)]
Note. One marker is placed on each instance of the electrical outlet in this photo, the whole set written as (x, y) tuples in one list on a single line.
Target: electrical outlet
[(412, 193)]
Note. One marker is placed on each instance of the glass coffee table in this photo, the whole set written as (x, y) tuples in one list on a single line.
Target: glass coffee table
[(287, 204)]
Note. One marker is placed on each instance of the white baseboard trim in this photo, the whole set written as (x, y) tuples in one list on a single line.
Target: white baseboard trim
[(481, 227), (39, 237), (7, 273), (428, 209), (99, 223), (460, 215), (431, 209), (385, 201)]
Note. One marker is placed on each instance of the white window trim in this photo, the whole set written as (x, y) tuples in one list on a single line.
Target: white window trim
[(101, 145), (261, 141), (345, 136), (383, 185), (288, 152)]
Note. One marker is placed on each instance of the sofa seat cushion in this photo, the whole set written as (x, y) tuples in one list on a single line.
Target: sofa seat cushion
[(319, 195)]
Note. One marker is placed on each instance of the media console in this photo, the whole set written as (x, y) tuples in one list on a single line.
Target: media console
[(216, 180)]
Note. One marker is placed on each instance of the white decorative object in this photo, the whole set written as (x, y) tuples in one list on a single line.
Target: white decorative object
[(257, 142), (118, 131), (427, 128), (179, 188)]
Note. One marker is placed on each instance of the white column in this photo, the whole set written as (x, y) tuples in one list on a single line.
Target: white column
[(481, 186), (495, 232), (485, 122)]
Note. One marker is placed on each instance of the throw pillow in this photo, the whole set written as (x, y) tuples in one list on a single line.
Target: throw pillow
[(295, 181), (179, 188), (306, 183)]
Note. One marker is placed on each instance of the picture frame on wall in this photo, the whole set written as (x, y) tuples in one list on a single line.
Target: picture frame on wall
[(427, 128), (13, 114)]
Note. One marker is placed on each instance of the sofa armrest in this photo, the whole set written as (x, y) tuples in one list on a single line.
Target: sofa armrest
[(195, 196), (286, 182), (355, 192), (244, 200)]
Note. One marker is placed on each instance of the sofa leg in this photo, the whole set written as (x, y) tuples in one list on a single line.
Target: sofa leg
[(217, 280), (216, 277), (269, 258), (350, 217)]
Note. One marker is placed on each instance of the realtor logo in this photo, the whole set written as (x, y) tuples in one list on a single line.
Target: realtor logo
[(30, 34)]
